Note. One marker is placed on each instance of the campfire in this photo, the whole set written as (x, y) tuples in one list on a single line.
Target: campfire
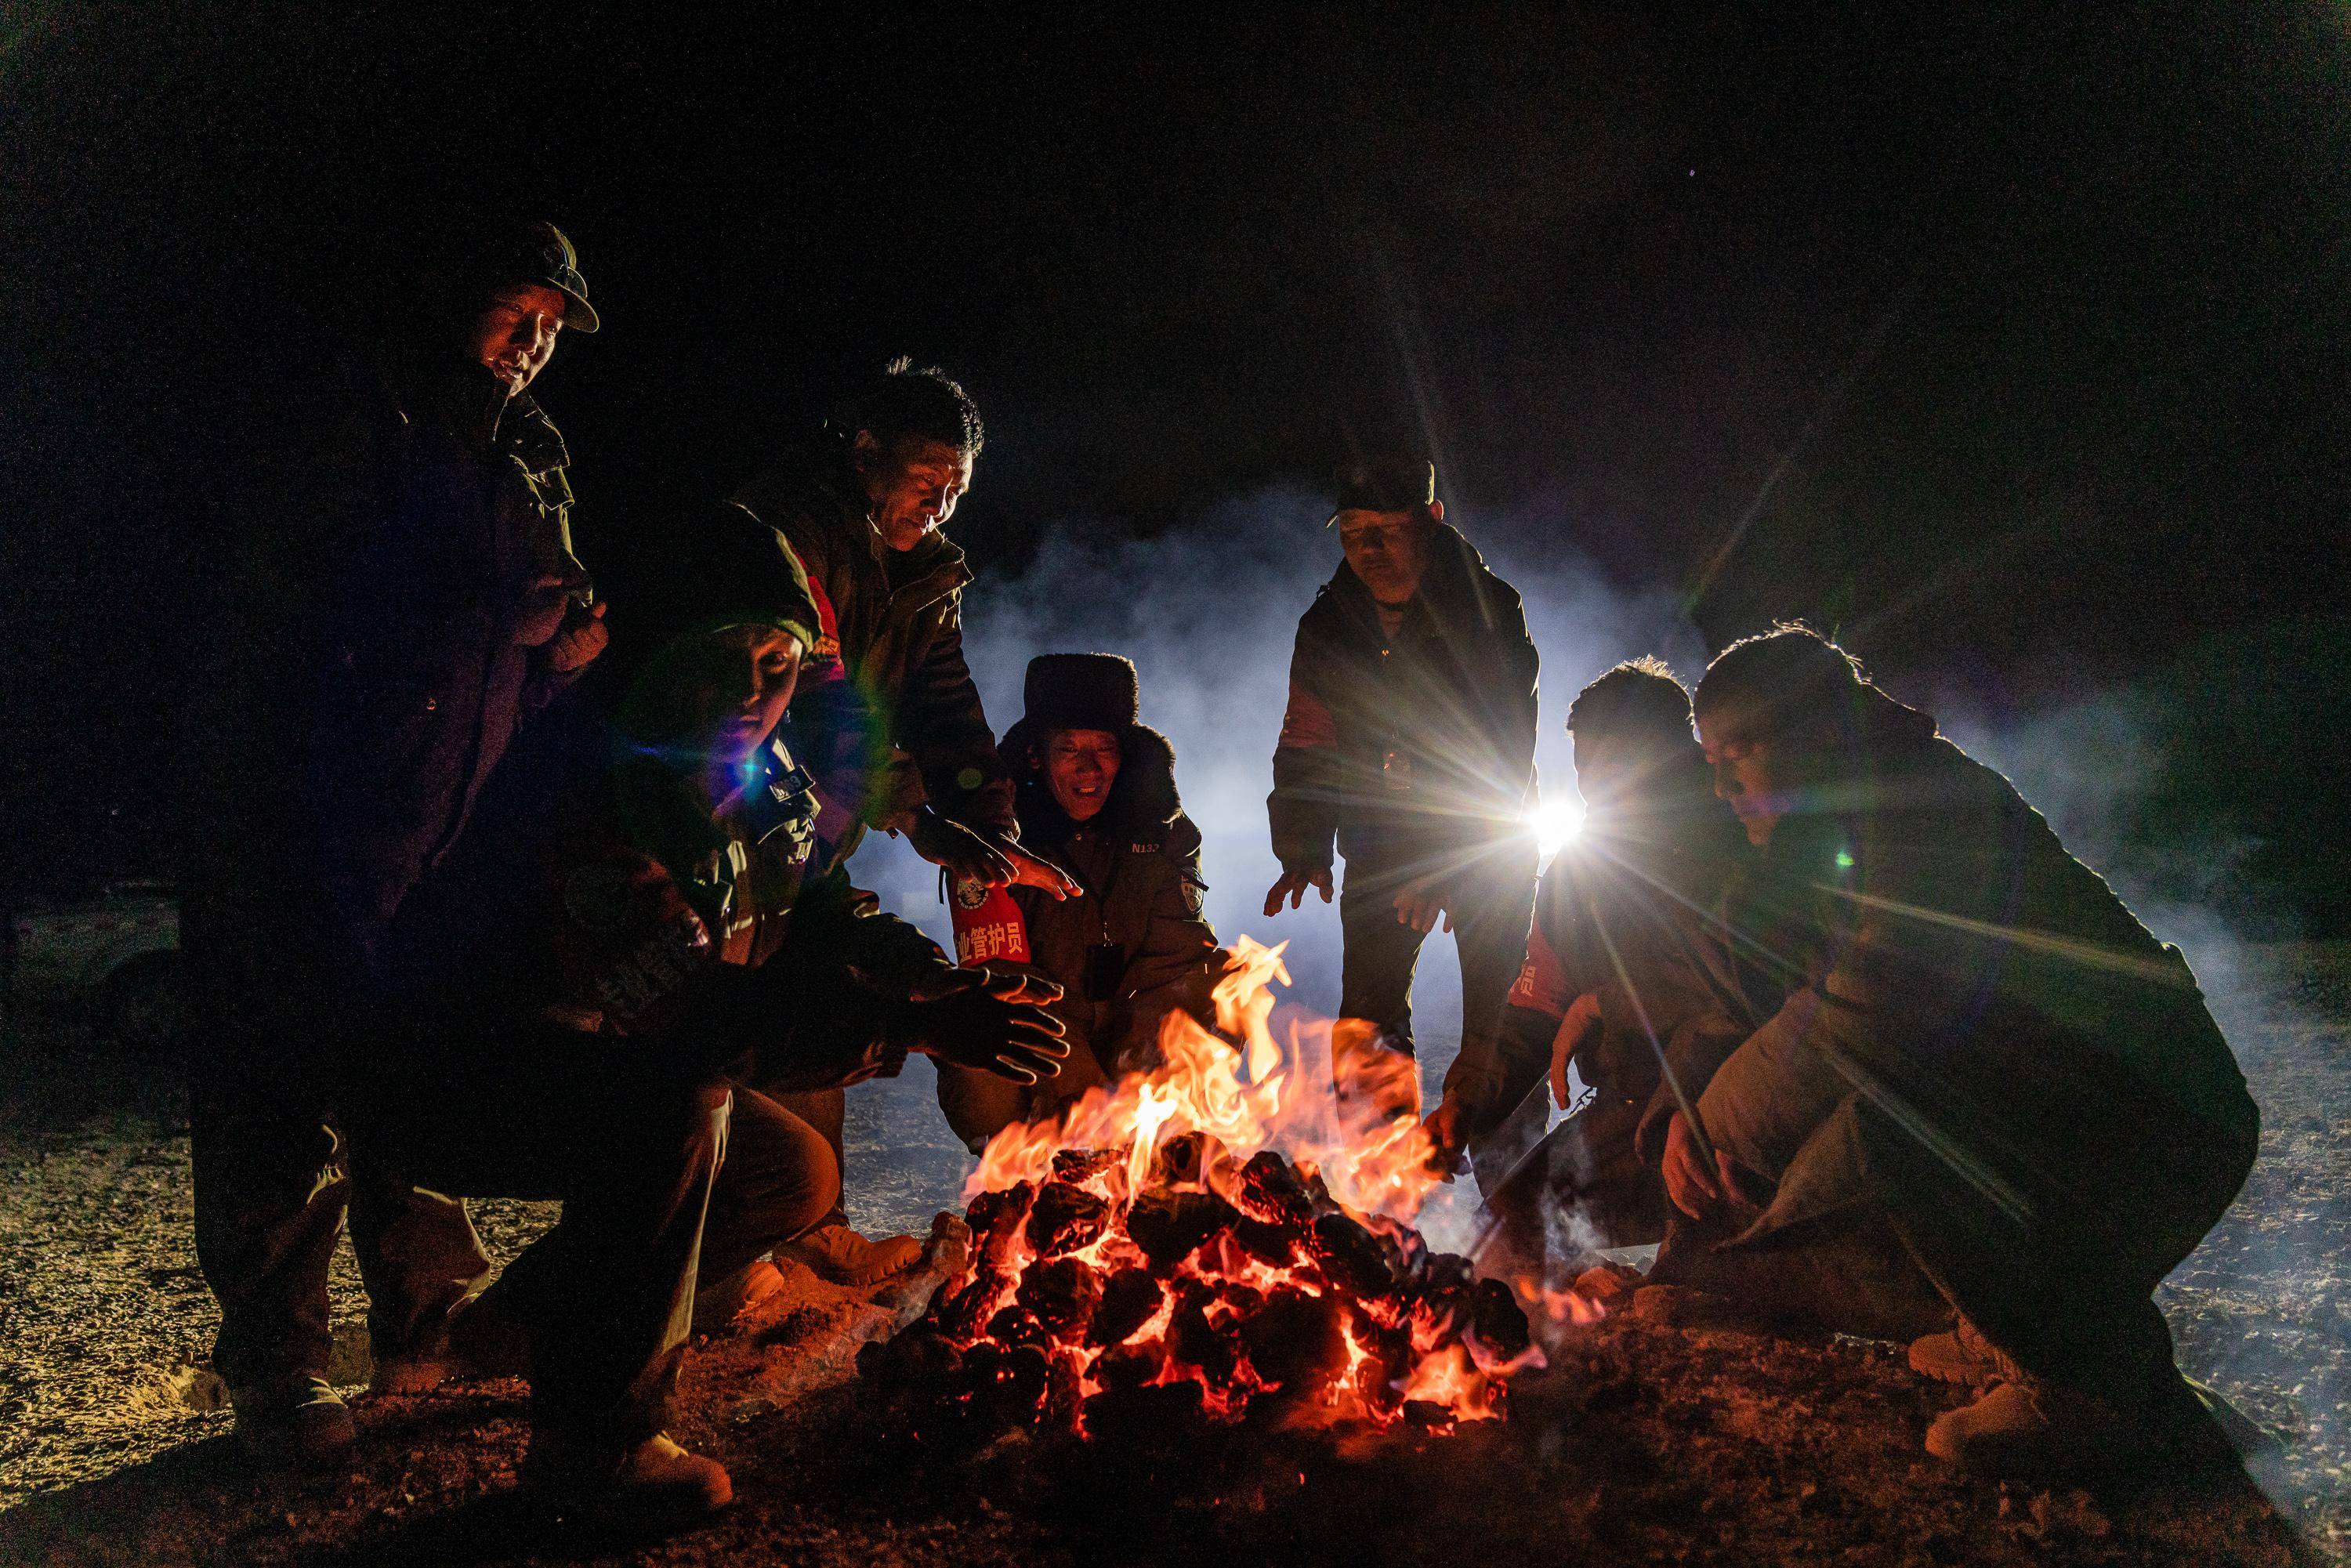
[(1226, 1238)]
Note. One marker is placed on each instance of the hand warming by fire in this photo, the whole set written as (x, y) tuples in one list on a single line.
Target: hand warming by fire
[(1225, 1237)]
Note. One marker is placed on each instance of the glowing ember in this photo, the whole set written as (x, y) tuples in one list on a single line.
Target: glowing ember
[(1225, 1237)]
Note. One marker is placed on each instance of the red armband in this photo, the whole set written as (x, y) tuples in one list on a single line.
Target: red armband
[(988, 925)]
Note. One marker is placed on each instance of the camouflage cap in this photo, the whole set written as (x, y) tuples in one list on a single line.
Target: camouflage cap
[(538, 253), (1383, 483)]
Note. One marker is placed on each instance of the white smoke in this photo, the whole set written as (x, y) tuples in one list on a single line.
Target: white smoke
[(1208, 613)]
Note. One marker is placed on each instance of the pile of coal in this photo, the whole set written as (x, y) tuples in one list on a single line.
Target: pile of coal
[(1223, 1292)]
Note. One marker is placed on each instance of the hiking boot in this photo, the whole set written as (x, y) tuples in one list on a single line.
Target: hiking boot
[(2039, 1432), (479, 1341), (654, 1484), (841, 1255), (718, 1305), (301, 1423), (1962, 1355)]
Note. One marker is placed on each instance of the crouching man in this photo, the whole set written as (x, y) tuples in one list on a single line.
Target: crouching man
[(1622, 971), (1980, 1046), (574, 1018), (1096, 792)]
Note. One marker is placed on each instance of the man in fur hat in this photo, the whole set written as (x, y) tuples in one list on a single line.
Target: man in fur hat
[(1096, 792)]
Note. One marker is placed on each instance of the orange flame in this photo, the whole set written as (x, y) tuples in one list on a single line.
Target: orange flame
[(1314, 1095)]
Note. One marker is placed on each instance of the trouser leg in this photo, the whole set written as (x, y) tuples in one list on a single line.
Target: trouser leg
[(269, 1172), (270, 1187), (1490, 932), (419, 1258), (1378, 952), (779, 1180), (827, 1111), (978, 1105), (606, 1297)]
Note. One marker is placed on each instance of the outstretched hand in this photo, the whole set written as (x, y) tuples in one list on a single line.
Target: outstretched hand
[(1293, 885), (1423, 902), (969, 854), (1697, 1192), (1034, 871), (581, 636), (1580, 1025), (1448, 1135), (992, 1020)]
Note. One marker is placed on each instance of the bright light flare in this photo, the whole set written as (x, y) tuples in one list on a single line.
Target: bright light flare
[(1555, 824)]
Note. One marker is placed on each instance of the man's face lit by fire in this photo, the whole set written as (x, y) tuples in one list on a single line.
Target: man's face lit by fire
[(1081, 765), (514, 337), (1760, 777), (1389, 550), (913, 484)]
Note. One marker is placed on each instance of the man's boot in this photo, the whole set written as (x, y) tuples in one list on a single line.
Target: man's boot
[(480, 1340), (653, 1485), (1961, 1355), (841, 1255), (303, 1422), (720, 1303)]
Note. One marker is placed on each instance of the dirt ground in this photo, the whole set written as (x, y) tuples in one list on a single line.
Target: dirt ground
[(1646, 1440)]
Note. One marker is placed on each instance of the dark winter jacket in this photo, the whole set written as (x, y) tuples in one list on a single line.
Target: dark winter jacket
[(893, 619), (596, 894), (1139, 864), (1411, 746), (423, 686), (1949, 959), (1629, 912)]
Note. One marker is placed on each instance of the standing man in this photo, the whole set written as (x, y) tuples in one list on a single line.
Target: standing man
[(373, 659), (897, 737), (1409, 741)]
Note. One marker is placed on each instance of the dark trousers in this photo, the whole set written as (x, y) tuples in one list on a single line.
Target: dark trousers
[(2037, 1187), (826, 1110), (1494, 909), (781, 1178), (273, 1174), (978, 1105), (630, 1138)]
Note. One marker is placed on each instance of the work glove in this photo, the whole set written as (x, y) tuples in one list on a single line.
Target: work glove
[(991, 1019)]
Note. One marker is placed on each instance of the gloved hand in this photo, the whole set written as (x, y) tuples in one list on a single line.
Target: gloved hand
[(992, 1020)]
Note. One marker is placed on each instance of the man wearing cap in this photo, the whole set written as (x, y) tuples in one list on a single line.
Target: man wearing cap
[(1096, 789), (351, 717), (1409, 743)]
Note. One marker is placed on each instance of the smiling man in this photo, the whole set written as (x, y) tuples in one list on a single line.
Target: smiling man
[(1097, 791), (896, 736)]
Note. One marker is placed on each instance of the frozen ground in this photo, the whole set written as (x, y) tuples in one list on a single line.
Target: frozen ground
[(1648, 1441)]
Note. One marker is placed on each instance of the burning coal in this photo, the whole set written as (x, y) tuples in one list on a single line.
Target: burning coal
[(1225, 1239)]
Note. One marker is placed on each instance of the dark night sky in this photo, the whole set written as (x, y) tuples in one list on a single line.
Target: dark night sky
[(1608, 262)]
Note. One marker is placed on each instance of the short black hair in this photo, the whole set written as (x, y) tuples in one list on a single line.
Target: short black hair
[(1640, 696), (1790, 680), (903, 401)]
